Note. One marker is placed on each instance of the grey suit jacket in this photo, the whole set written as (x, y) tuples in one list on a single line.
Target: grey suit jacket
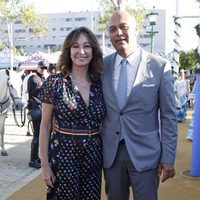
[(148, 117)]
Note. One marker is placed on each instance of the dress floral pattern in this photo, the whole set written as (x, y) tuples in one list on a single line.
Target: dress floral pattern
[(75, 160)]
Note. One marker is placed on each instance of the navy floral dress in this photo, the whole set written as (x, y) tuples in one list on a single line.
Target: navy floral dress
[(76, 160)]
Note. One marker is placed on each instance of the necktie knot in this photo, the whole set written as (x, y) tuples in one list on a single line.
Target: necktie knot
[(123, 62)]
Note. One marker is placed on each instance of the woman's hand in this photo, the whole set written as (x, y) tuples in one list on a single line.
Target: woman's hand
[(48, 176)]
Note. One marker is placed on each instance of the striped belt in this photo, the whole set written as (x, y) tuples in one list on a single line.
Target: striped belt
[(76, 132)]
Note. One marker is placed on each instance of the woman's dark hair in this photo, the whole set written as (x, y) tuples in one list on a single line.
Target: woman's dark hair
[(95, 66)]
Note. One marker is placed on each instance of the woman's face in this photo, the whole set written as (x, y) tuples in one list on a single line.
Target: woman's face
[(81, 52)]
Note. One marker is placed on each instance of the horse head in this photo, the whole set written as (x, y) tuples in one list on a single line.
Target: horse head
[(15, 84)]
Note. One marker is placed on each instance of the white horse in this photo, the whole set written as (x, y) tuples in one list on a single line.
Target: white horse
[(8, 91)]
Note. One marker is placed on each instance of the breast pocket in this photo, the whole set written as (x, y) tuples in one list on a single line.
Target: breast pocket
[(148, 95)]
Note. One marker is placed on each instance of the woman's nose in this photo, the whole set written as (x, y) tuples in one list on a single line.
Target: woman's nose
[(81, 50)]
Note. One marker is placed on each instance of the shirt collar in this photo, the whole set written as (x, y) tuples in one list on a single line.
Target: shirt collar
[(131, 58)]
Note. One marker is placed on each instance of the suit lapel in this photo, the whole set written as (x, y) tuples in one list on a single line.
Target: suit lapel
[(109, 73), (140, 73)]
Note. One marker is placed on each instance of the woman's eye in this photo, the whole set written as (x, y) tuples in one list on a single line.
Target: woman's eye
[(75, 46), (87, 46)]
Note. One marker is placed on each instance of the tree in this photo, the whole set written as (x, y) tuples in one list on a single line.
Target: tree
[(197, 27), (188, 60), (16, 10), (109, 6)]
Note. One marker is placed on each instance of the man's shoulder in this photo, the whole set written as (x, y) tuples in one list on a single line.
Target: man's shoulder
[(155, 57), (109, 58)]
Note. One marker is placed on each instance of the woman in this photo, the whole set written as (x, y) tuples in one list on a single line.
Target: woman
[(72, 112), (191, 97)]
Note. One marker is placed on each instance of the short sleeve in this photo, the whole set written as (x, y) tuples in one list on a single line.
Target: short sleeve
[(46, 94)]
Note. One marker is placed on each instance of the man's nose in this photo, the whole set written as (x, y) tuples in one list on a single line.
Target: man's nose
[(119, 31)]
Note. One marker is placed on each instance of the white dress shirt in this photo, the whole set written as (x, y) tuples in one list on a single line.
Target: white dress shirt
[(133, 62)]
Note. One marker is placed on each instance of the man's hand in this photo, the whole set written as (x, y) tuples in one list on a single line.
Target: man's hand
[(166, 170)]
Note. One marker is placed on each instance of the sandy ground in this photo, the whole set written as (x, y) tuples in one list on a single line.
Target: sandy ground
[(19, 182)]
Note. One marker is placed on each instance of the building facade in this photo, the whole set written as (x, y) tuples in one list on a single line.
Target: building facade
[(60, 24)]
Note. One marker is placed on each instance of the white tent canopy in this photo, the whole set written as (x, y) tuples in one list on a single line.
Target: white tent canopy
[(31, 61)]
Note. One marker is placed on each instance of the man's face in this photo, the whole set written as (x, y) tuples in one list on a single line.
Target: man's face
[(40, 70), (123, 33)]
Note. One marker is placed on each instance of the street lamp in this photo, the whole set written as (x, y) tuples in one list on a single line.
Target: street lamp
[(152, 17)]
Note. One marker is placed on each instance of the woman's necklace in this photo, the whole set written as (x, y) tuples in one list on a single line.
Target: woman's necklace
[(69, 97)]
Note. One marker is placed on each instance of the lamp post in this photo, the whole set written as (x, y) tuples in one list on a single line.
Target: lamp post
[(152, 17)]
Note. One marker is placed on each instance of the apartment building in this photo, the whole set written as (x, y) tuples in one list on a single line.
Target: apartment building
[(60, 24)]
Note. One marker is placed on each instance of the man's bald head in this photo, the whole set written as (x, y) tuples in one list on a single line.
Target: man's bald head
[(123, 31)]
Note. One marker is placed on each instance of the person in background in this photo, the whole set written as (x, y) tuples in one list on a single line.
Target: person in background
[(139, 131), (25, 73), (191, 97), (52, 68), (182, 90), (72, 100), (33, 86)]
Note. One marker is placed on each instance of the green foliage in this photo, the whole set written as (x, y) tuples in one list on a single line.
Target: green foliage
[(189, 59), (108, 7), (16, 10), (197, 27), (2, 45)]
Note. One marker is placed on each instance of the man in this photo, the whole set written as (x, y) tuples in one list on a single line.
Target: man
[(140, 132), (34, 84)]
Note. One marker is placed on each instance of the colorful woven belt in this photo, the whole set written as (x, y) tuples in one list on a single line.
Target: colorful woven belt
[(79, 132)]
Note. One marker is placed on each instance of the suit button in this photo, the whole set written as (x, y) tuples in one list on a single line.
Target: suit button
[(121, 113), (117, 132)]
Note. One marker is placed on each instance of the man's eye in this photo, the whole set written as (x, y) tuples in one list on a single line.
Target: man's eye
[(112, 30), (124, 27)]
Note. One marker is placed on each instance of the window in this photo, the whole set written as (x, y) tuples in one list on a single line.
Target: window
[(98, 37), (80, 19), (51, 46), (53, 20), (53, 29), (20, 31), (145, 36), (21, 38), (62, 38), (65, 28), (18, 22), (30, 30), (69, 20), (62, 19)]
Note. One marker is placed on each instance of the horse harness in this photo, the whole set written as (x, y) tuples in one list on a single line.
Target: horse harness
[(6, 101)]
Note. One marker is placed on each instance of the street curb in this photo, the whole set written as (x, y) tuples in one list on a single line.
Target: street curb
[(27, 178)]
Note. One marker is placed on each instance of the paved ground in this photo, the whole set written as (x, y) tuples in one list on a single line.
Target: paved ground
[(14, 170), (19, 182)]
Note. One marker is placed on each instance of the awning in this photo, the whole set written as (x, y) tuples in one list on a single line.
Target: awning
[(28, 66)]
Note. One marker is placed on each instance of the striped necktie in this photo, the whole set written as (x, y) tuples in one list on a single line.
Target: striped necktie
[(122, 84)]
